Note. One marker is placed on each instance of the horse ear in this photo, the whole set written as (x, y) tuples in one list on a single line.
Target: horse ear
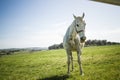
[(83, 15), (74, 16)]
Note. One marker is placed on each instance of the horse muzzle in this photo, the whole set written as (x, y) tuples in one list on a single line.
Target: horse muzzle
[(82, 39)]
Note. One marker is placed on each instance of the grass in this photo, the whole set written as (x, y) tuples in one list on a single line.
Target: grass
[(99, 63)]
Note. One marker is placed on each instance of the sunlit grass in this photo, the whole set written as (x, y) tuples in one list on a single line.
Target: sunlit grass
[(99, 63)]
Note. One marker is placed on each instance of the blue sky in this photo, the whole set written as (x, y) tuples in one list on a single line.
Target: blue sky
[(41, 23)]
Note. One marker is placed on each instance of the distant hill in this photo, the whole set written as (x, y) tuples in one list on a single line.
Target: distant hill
[(12, 50)]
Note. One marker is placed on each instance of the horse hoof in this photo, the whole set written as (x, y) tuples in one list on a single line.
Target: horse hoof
[(82, 74), (68, 73)]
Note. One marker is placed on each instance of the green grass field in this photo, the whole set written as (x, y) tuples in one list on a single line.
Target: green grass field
[(99, 63)]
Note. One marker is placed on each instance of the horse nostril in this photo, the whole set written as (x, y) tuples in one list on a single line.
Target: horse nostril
[(83, 38)]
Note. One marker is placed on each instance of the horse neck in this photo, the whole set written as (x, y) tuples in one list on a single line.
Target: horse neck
[(72, 30)]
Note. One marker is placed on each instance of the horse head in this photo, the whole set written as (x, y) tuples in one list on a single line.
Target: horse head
[(80, 27)]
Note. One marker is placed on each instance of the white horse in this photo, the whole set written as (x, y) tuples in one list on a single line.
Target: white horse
[(74, 41)]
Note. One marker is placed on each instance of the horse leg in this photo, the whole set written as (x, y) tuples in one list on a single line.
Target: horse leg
[(68, 60), (79, 62), (72, 60)]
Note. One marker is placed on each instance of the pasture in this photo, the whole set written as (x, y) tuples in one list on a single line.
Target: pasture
[(99, 63)]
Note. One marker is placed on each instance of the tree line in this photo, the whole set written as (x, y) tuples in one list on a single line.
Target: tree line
[(87, 44)]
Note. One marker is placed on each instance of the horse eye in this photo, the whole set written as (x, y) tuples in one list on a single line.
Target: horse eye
[(77, 25)]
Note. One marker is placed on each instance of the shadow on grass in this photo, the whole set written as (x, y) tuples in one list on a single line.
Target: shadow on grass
[(63, 77)]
